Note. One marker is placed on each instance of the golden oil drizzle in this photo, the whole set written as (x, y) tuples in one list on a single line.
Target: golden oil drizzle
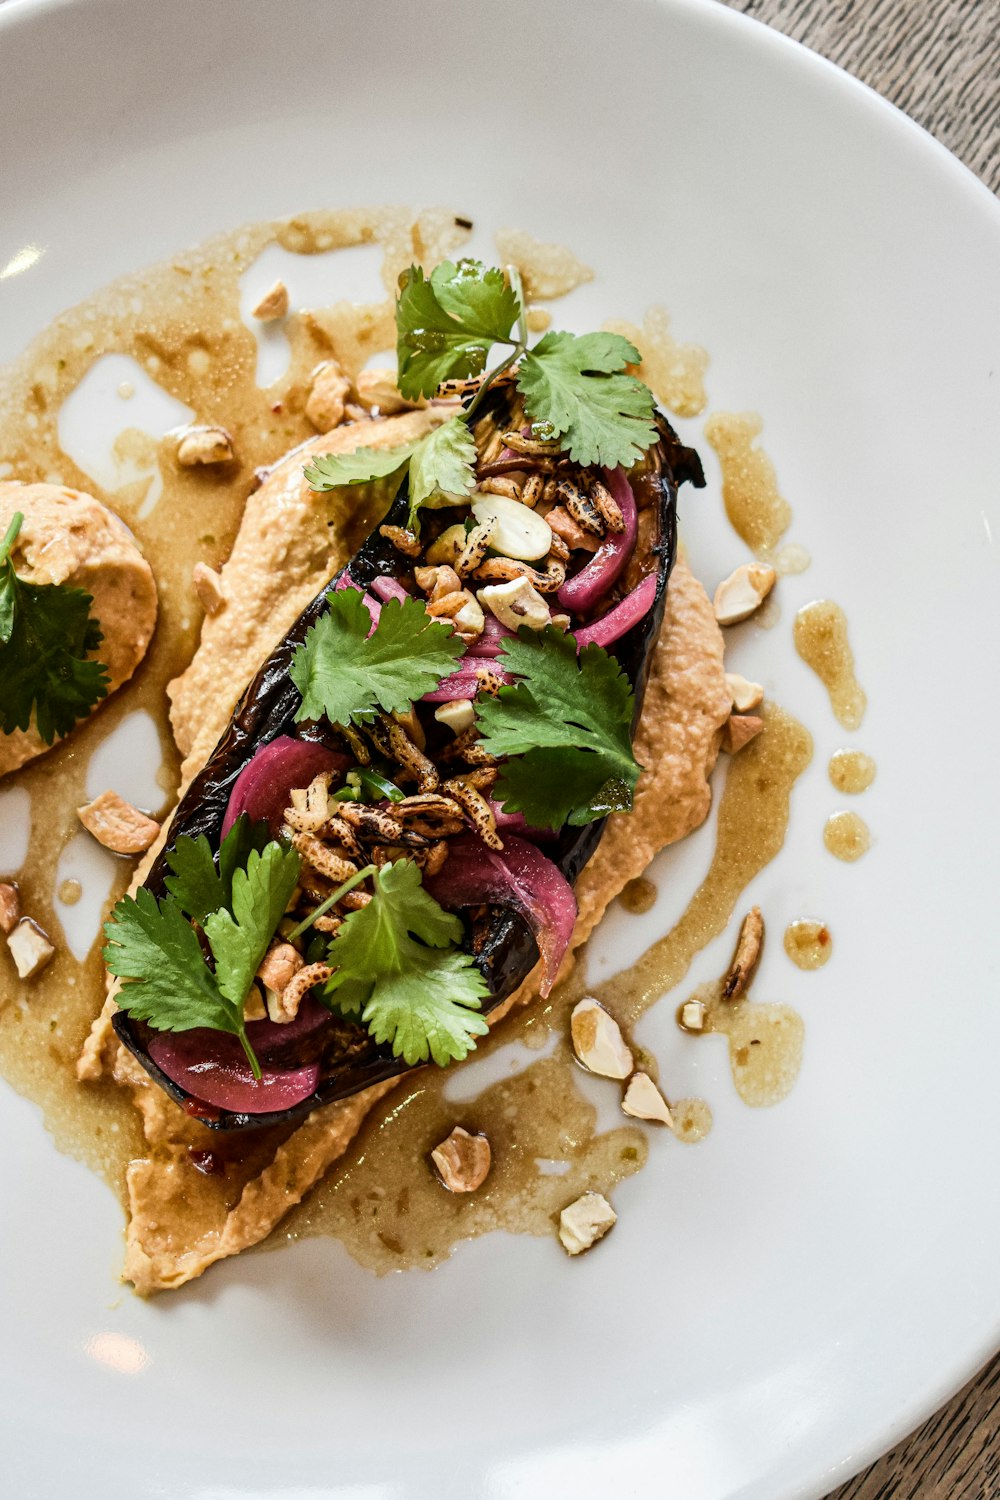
[(674, 372), (847, 836), (547, 270), (692, 1120), (851, 771), (757, 511), (538, 319), (808, 943), (638, 896), (820, 636), (70, 892)]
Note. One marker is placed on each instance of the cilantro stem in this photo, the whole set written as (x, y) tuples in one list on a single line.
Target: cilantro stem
[(514, 277), (17, 521), (251, 1054), (521, 347), (332, 900)]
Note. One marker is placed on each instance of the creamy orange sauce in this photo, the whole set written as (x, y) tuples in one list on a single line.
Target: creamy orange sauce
[(851, 771), (847, 836), (808, 943), (821, 640)]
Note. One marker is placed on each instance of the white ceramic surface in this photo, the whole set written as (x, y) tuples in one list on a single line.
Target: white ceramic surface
[(780, 1303)]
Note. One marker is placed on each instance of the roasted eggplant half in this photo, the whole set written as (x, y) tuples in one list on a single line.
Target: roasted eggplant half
[(605, 573)]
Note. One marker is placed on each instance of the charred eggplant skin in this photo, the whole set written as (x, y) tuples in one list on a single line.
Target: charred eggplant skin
[(501, 942)]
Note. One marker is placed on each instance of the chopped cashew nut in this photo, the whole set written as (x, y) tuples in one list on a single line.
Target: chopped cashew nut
[(516, 603), (330, 389), (743, 592), (379, 388), (463, 1160), (118, 825), (598, 1041), (693, 1015), (746, 695), (745, 958), (10, 906), (469, 620), (583, 1223), (29, 948), (273, 304), (208, 587), (279, 967), (739, 730), (448, 547), (643, 1100), (457, 715), (283, 1005), (254, 1008), (204, 445)]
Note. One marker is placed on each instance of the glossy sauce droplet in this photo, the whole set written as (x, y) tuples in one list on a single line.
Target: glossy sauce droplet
[(692, 1120), (852, 771), (638, 896), (847, 836), (756, 509), (808, 944), (70, 892), (821, 641)]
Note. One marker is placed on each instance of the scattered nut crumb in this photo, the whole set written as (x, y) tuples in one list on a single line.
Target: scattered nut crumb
[(457, 715), (30, 948), (254, 1008), (118, 825), (463, 1160), (583, 1223), (10, 907), (598, 1041), (204, 445), (644, 1101), (208, 587), (739, 730), (743, 592), (693, 1015), (330, 389), (745, 695), (273, 304), (279, 966), (745, 958)]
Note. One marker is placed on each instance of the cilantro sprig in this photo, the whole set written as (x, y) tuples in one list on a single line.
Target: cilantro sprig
[(153, 946), (399, 969), (566, 726), (46, 636), (345, 671), (576, 388)]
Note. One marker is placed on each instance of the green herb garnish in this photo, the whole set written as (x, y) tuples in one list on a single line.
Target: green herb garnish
[(46, 633), (398, 967), (346, 674), (567, 728)]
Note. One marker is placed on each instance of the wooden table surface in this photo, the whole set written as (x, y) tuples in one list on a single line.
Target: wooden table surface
[(939, 61)]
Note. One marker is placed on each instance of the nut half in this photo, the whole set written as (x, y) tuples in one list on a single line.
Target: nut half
[(584, 1222), (598, 1041), (463, 1160)]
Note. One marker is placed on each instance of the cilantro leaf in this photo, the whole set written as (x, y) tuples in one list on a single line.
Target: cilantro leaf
[(568, 722), (574, 383), (239, 937), (46, 635), (362, 466), (200, 887), (447, 323), (153, 945), (442, 468), (422, 996), (345, 674)]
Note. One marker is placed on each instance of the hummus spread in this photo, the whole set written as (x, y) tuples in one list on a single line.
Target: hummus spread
[(180, 1220), (68, 537)]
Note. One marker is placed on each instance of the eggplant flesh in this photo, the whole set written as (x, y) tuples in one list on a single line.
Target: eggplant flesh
[(500, 940)]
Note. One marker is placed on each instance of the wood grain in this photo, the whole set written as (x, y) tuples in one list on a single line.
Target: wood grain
[(939, 61)]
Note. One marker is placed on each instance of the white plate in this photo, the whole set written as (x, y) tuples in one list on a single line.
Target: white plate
[(780, 1304)]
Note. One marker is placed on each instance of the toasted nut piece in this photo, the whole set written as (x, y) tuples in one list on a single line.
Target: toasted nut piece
[(254, 1008), (279, 966), (448, 546), (446, 582), (583, 1223), (737, 981), (29, 948), (208, 587), (329, 390), (379, 388), (118, 825), (10, 905), (561, 622), (457, 715), (404, 541), (598, 1041), (746, 695), (273, 304), (739, 730), (516, 603), (448, 605), (643, 1100), (470, 620), (283, 1006), (425, 578), (204, 445), (463, 1160), (693, 1015), (743, 592)]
